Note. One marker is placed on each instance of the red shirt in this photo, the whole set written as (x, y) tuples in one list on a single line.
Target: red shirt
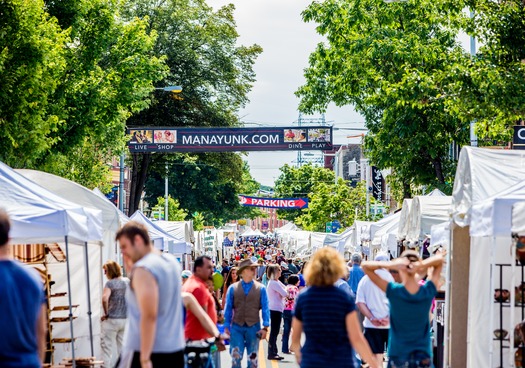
[(193, 329)]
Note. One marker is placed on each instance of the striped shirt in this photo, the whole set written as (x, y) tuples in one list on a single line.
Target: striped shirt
[(323, 311)]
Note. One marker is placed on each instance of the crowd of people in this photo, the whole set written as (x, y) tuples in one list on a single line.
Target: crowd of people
[(150, 319)]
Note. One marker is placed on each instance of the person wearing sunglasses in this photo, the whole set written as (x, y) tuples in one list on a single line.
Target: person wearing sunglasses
[(409, 339)]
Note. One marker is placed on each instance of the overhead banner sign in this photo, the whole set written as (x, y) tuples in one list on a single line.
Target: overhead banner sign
[(229, 139), (518, 141), (280, 203)]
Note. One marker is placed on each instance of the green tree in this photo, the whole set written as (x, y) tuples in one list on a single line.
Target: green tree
[(32, 61), (296, 182), (394, 63), (70, 79), (489, 88), (334, 201), (216, 74), (175, 213)]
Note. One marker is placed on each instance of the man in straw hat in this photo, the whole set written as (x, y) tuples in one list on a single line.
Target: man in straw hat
[(244, 300)]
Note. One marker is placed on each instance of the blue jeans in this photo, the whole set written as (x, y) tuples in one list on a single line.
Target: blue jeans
[(243, 337), (287, 322), (416, 359)]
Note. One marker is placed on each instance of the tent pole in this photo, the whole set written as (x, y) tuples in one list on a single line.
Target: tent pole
[(70, 304), (89, 299)]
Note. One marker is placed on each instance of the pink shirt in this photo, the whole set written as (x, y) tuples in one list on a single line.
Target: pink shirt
[(276, 294), (290, 299)]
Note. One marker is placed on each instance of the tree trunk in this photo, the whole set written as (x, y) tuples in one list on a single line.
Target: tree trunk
[(139, 173), (407, 191), (438, 167)]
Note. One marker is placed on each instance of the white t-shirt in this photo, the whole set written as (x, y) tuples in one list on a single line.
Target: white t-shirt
[(374, 298)]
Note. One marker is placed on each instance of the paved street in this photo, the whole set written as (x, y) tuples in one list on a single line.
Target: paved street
[(288, 362)]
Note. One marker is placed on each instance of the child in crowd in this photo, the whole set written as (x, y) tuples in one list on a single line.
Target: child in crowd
[(292, 290)]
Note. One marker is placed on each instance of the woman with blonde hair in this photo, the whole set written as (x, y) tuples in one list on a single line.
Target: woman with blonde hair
[(115, 313), (276, 299), (327, 315)]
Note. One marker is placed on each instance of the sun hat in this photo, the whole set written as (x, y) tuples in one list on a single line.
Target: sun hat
[(245, 264)]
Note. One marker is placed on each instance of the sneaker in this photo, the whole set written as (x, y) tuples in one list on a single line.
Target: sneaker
[(275, 357)]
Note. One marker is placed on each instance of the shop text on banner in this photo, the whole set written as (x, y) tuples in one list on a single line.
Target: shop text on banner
[(280, 203), (173, 139)]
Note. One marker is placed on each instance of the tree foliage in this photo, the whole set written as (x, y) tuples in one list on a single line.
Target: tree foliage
[(215, 73), (395, 63), (489, 88), (296, 182), (175, 213), (72, 72), (334, 201), (200, 185)]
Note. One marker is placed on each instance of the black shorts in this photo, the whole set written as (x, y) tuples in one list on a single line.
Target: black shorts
[(377, 339)]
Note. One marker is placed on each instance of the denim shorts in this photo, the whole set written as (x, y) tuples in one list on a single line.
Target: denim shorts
[(416, 359)]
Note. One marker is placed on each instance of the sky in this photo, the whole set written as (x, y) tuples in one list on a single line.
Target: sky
[(277, 26)]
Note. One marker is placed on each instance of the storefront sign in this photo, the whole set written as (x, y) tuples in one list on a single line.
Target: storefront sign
[(175, 139), (280, 203), (518, 141)]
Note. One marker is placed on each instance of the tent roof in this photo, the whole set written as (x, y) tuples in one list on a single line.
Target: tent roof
[(289, 226), (170, 243), (122, 217), (518, 218), (38, 215), (78, 194), (482, 173), (425, 212), (403, 218), (251, 232), (181, 230), (436, 193), (493, 216), (383, 227)]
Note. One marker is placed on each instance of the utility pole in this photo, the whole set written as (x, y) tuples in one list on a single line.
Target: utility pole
[(166, 195)]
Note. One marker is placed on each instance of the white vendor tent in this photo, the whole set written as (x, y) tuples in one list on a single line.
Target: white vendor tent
[(33, 211), (490, 227), (480, 175), (161, 239), (403, 219), (182, 230), (289, 226), (425, 212), (440, 235), (82, 196), (252, 233), (518, 218)]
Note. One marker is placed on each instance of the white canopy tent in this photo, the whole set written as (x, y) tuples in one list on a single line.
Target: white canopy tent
[(384, 233), (425, 212), (403, 219), (39, 216), (481, 174), (252, 233), (289, 226), (161, 239), (111, 220), (518, 218), (440, 235), (182, 230), (491, 221)]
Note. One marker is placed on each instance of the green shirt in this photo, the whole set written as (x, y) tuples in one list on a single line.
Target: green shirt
[(409, 319)]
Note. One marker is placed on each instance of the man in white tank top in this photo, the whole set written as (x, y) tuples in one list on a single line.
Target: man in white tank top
[(155, 332)]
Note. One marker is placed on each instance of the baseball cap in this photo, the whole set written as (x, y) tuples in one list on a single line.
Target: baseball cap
[(186, 274), (381, 257)]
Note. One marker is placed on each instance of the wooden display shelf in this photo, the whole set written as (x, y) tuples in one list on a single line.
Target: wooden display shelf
[(63, 307), (61, 340), (60, 319)]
